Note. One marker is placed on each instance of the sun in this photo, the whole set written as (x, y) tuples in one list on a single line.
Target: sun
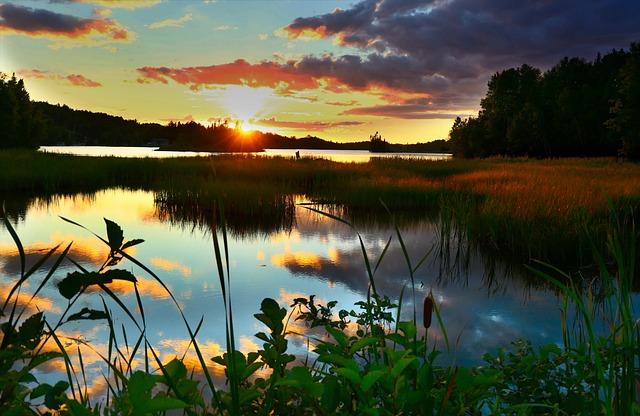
[(245, 103), (245, 127)]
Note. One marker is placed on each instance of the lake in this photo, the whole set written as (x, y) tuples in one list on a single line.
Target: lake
[(304, 254), (358, 156)]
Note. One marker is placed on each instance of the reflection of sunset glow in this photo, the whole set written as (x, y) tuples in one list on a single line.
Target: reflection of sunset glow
[(146, 286), (110, 200), (333, 255), (178, 347), (285, 236), (286, 298), (90, 355), (169, 265), (84, 249), (39, 303), (298, 258)]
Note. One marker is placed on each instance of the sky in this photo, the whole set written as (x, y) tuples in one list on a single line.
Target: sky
[(340, 70)]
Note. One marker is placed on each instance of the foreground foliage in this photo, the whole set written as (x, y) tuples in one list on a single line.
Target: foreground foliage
[(365, 361)]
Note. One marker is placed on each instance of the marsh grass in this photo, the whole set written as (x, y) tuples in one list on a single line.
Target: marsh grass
[(516, 208)]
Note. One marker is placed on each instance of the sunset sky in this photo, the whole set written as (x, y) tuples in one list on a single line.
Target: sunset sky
[(339, 70)]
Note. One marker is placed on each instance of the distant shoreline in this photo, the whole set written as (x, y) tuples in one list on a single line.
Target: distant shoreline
[(157, 152)]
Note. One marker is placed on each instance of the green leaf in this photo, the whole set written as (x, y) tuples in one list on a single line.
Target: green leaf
[(300, 377), (362, 343), (264, 337), (27, 377), (53, 398), (349, 374), (114, 234), (338, 361), (75, 282), (339, 336), (30, 331), (399, 367), (88, 314), (272, 315), (251, 368), (465, 380), (139, 386), (40, 390), (331, 394), (132, 243), (408, 329), (78, 409), (249, 395), (369, 379), (161, 404), (176, 370)]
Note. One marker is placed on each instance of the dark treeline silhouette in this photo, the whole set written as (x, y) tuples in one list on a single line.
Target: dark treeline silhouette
[(377, 143), (30, 124), (576, 108), (66, 126), (21, 125)]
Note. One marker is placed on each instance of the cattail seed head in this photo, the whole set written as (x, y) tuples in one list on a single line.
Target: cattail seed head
[(428, 311)]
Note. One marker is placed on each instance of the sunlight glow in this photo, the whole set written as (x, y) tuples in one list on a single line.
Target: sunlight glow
[(245, 103)]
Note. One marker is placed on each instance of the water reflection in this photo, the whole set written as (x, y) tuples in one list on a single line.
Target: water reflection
[(348, 156), (282, 251)]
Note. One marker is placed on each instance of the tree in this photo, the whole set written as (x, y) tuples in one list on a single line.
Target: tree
[(22, 126), (576, 108), (377, 143), (626, 109)]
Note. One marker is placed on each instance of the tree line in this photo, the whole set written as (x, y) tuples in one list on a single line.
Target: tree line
[(576, 108), (30, 124)]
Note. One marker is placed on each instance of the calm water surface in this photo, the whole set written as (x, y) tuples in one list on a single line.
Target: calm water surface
[(359, 156), (313, 255)]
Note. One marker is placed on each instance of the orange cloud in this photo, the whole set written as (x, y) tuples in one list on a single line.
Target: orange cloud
[(77, 80), (15, 19), (378, 75), (240, 72), (82, 81), (305, 125)]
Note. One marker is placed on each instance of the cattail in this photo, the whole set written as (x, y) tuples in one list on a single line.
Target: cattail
[(428, 310)]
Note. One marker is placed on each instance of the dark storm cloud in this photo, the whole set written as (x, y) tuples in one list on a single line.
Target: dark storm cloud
[(442, 32), (39, 22), (434, 45)]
